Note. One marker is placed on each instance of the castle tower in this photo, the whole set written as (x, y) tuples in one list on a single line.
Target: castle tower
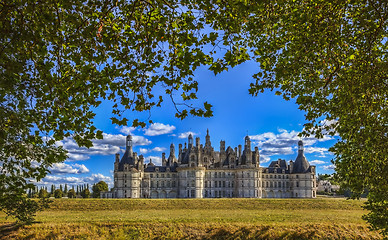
[(191, 141), (247, 143), (301, 164), (128, 145), (172, 158), (164, 160), (117, 161), (247, 153), (222, 146), (207, 143)]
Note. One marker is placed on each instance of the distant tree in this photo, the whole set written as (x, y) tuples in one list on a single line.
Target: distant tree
[(77, 192), (71, 193), (52, 190), (65, 190), (43, 193), (101, 186), (58, 193), (85, 193)]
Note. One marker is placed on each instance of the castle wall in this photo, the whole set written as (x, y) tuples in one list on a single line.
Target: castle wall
[(201, 172)]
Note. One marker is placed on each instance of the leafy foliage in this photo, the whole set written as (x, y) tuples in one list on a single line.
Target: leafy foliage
[(71, 193), (59, 59), (58, 193), (331, 56), (43, 193), (85, 193), (101, 186)]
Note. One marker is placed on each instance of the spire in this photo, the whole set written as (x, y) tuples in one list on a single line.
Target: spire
[(190, 141), (207, 143), (247, 143)]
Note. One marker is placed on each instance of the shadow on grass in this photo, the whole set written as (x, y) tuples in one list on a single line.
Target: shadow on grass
[(265, 232), (7, 229)]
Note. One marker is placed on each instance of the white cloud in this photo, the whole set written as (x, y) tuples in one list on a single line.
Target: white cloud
[(264, 159), (329, 167), (186, 134), (63, 168), (317, 162), (143, 150), (155, 149), (109, 145), (285, 143), (158, 129), (322, 151), (159, 149), (94, 178), (77, 157), (127, 130), (155, 160)]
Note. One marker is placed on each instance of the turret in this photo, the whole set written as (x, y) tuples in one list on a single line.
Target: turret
[(207, 143), (247, 143), (257, 156), (141, 163), (117, 161), (197, 140), (191, 141), (222, 146), (128, 145), (171, 157), (164, 161), (239, 150), (301, 164)]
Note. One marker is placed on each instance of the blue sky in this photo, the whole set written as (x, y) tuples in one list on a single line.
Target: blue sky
[(271, 122)]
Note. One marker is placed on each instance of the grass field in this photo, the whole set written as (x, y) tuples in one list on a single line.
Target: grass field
[(322, 218)]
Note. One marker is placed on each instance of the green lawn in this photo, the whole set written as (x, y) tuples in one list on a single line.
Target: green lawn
[(323, 218)]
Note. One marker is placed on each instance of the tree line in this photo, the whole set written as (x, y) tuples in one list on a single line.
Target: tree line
[(77, 191)]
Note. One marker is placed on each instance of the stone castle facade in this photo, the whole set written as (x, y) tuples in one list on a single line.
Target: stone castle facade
[(201, 172)]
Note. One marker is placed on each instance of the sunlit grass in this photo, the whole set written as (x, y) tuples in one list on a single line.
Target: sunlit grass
[(197, 219)]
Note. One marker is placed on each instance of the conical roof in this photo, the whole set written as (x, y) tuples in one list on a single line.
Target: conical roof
[(301, 164)]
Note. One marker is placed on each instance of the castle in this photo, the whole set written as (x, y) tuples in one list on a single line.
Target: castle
[(201, 172)]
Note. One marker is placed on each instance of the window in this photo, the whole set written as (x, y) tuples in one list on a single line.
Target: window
[(151, 175), (297, 184), (162, 175), (297, 176), (275, 176)]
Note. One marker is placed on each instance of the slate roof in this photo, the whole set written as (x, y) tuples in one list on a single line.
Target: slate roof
[(126, 159)]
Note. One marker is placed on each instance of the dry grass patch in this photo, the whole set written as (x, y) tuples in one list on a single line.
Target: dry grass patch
[(196, 219)]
